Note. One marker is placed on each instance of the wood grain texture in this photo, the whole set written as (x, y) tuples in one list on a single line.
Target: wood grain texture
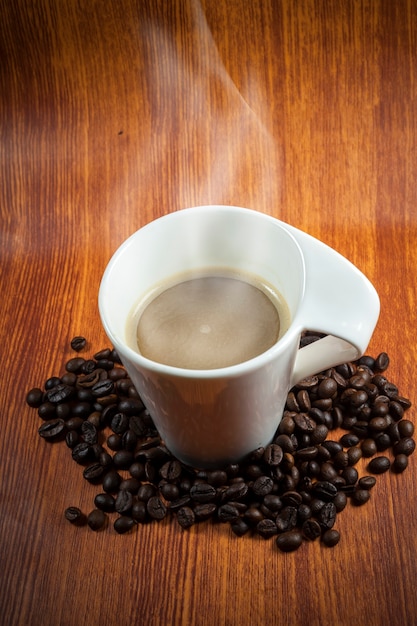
[(113, 113)]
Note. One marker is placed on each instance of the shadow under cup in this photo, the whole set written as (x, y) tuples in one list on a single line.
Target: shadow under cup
[(207, 418)]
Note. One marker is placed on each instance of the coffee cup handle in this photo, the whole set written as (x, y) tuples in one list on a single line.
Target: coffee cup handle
[(338, 301)]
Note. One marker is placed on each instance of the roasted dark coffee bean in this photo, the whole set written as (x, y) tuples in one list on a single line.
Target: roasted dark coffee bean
[(185, 517), (124, 502), (303, 512), (183, 500), (72, 438), (304, 423), (289, 541), (327, 388), (89, 432), (139, 512), (89, 366), (217, 478), (319, 434), (96, 519), (273, 454), (63, 411), (146, 491), (131, 406), (266, 528), (60, 393), (102, 354), (350, 475), (111, 481), (78, 343), (405, 446), (236, 491), (326, 517), (331, 537), (156, 508), (123, 459), (114, 442), (170, 491), (348, 440), (82, 453), (102, 388), (74, 365), (240, 527), (354, 454), (400, 463), (379, 465), (171, 470), (52, 430), (291, 498), (123, 524), (286, 519), (129, 440), (74, 515), (328, 471), (204, 511), (52, 382), (227, 513), (367, 482), (85, 395), (340, 501), (382, 441), (82, 409), (368, 447), (47, 410), (360, 496), (324, 490), (105, 502), (137, 470), (311, 529), (203, 492), (94, 473), (130, 484), (120, 423), (34, 397), (262, 486)]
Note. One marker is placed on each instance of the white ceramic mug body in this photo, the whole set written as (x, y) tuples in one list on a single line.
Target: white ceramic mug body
[(208, 418)]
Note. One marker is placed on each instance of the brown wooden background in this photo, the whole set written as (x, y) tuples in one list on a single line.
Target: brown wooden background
[(115, 112)]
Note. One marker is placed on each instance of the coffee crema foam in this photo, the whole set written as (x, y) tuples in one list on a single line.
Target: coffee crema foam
[(208, 319)]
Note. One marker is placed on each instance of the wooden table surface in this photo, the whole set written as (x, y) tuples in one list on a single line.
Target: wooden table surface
[(116, 112)]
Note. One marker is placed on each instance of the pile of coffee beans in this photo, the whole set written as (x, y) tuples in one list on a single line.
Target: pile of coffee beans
[(291, 490)]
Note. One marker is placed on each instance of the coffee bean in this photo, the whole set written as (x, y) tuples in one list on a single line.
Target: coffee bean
[(360, 496), (405, 446), (227, 513), (203, 492), (326, 517), (34, 397), (185, 517), (379, 465), (273, 454), (156, 508), (78, 343), (327, 388), (124, 502), (52, 430), (139, 512), (331, 537), (94, 473), (289, 541), (123, 524), (74, 365), (311, 529), (400, 463), (105, 502), (96, 519), (262, 486), (111, 481), (367, 482), (74, 515), (266, 528)]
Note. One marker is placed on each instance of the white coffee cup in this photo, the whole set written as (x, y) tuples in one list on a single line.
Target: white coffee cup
[(208, 418)]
